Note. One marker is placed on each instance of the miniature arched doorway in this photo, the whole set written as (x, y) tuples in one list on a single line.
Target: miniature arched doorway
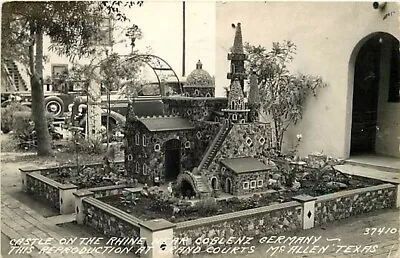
[(172, 159), (228, 185), (214, 183), (375, 86), (187, 189)]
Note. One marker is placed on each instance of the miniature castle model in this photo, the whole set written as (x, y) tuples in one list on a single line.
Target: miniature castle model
[(202, 142)]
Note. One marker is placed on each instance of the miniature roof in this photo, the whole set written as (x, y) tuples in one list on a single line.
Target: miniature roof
[(199, 77), (244, 165), (159, 124)]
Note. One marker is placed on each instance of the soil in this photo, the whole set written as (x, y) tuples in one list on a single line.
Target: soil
[(147, 208)]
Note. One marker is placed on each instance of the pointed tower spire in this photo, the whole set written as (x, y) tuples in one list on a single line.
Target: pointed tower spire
[(237, 58), (254, 95), (238, 41)]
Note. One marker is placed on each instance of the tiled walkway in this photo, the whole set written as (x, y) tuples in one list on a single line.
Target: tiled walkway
[(19, 221)]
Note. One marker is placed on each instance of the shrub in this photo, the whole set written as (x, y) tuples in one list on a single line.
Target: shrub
[(7, 115), (207, 206), (24, 129)]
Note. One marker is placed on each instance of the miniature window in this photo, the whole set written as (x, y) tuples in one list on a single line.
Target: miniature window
[(137, 139), (174, 111), (196, 92), (223, 169), (137, 167), (261, 140), (144, 169), (144, 140), (234, 117), (260, 183), (157, 147), (187, 94), (130, 157), (245, 185), (232, 104), (198, 134), (189, 112), (253, 184), (242, 121), (208, 95), (249, 141), (187, 145), (205, 113)]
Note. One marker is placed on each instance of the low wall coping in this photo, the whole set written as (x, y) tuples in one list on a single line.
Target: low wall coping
[(45, 179), (134, 190), (67, 186), (353, 192), (304, 198), (113, 211), (107, 187), (33, 168), (83, 193), (233, 215), (157, 224)]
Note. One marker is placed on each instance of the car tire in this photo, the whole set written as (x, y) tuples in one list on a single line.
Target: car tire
[(54, 105)]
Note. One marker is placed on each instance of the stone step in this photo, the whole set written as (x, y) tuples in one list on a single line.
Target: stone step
[(369, 172), (384, 164)]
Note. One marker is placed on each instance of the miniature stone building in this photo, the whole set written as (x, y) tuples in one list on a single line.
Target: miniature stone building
[(243, 175), (202, 141)]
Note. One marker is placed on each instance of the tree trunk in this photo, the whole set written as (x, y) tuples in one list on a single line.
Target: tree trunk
[(38, 109)]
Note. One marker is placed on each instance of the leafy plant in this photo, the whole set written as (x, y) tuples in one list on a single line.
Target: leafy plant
[(129, 198), (282, 94), (7, 115), (206, 206)]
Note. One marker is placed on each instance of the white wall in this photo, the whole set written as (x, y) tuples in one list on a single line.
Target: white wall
[(161, 24), (326, 35)]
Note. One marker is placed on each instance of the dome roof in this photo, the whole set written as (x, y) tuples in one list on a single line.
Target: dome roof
[(199, 77)]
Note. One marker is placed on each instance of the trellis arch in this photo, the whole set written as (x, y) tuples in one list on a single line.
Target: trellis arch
[(159, 66)]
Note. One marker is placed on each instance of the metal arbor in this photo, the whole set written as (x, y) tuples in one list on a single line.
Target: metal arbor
[(161, 69)]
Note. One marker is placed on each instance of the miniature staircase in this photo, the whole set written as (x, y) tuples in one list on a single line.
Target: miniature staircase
[(214, 147), (196, 181), (201, 188), (15, 75)]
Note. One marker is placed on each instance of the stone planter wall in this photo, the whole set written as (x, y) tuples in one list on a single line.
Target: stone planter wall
[(273, 219), (110, 221), (344, 204), (105, 191), (59, 196)]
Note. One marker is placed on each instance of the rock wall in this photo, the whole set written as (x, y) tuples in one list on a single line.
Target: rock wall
[(110, 221), (45, 191), (258, 222), (195, 109), (243, 140), (349, 203)]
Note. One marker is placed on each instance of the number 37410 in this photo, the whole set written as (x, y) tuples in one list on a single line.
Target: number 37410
[(380, 231)]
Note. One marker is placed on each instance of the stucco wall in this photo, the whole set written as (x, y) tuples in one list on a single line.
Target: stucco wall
[(327, 36)]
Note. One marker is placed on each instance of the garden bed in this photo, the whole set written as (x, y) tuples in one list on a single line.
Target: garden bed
[(155, 204)]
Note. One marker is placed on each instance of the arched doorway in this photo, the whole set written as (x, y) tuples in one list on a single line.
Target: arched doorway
[(375, 84), (187, 189), (228, 185), (172, 159)]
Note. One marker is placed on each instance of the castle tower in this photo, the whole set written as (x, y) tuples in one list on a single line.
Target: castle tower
[(236, 112), (237, 58), (254, 99)]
